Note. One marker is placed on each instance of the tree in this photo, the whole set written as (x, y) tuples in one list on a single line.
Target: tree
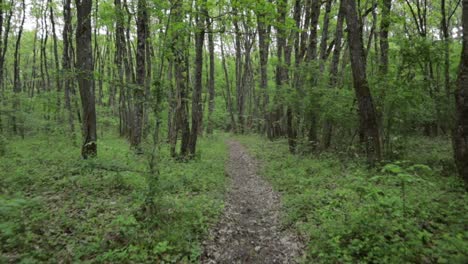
[(56, 56), (328, 126), (179, 61), (384, 27), (6, 32), (366, 109), (17, 87), (139, 91), (263, 29), (84, 67), (211, 79), (197, 88), (67, 63), (460, 134)]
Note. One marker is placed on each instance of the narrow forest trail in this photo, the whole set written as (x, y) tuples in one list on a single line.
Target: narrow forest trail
[(249, 231)]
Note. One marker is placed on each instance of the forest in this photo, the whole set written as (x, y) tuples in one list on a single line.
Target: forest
[(233, 131)]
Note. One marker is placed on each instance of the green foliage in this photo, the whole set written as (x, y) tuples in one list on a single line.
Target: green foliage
[(404, 212), (55, 207)]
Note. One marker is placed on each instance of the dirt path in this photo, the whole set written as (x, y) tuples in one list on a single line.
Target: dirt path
[(249, 231)]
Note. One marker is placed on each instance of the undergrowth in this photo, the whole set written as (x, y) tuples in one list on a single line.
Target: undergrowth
[(408, 211), (55, 207)]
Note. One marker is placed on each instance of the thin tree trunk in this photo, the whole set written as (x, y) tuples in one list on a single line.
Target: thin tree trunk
[(311, 56), (366, 109), (211, 77), (263, 49), (4, 50), (142, 24), (324, 40), (384, 27), (84, 55), (1, 56), (239, 87), (33, 82), (197, 89), (460, 135), (67, 64), (56, 58), (178, 47), (17, 86), (228, 88), (328, 127)]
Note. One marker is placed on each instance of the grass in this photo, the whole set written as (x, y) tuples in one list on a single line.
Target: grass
[(55, 207), (409, 211)]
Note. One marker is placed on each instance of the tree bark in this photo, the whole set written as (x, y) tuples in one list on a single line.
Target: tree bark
[(17, 86), (460, 135), (239, 88), (84, 65), (4, 50), (197, 88), (366, 109), (310, 56), (328, 126), (67, 63), (384, 27), (229, 103), (324, 40), (139, 91), (56, 57), (263, 49), (178, 46), (211, 79)]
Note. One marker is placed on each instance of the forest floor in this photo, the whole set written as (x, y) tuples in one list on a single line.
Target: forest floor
[(249, 230)]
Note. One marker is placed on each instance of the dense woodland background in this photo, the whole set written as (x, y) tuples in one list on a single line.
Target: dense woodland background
[(367, 96)]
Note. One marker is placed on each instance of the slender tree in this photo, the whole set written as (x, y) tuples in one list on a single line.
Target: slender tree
[(17, 85), (3, 52), (197, 88), (211, 78), (460, 135), (328, 127), (139, 91), (84, 67), (366, 109), (384, 29), (67, 63), (58, 84)]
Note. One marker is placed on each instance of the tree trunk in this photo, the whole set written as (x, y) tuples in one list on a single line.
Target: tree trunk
[(32, 82), (120, 51), (311, 55), (239, 87), (263, 49), (139, 91), (6, 34), (384, 27), (197, 88), (17, 87), (460, 135), (56, 57), (67, 64), (281, 70), (366, 109), (229, 103), (328, 127), (1, 56), (84, 65), (324, 40), (211, 78), (178, 47)]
